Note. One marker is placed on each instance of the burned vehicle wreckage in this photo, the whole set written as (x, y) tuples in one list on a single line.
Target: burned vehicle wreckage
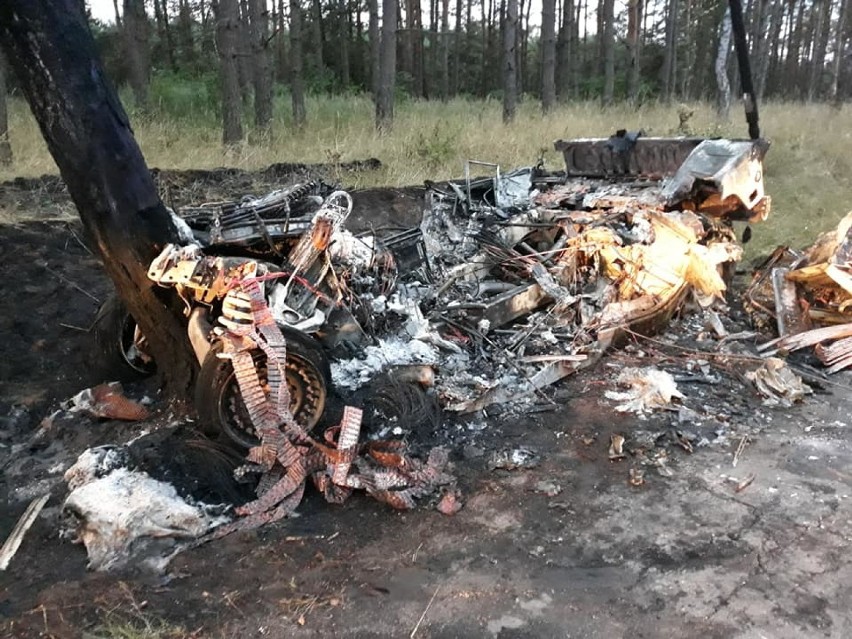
[(511, 282)]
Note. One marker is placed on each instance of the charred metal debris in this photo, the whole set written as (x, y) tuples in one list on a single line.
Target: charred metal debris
[(512, 282), (806, 296)]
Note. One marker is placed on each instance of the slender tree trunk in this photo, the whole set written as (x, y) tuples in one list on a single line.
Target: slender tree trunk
[(486, 41), (387, 72), (445, 49), (136, 49), (343, 43), (117, 15), (609, 53), (281, 64), (770, 36), (318, 35), (794, 51), (262, 69), (297, 88), (723, 104), (50, 48), (548, 55), (5, 146), (839, 50), (510, 72), (458, 42), (670, 56), (823, 25), (375, 48), (162, 16), (634, 40), (417, 48), (565, 52), (187, 42), (242, 51), (227, 37)]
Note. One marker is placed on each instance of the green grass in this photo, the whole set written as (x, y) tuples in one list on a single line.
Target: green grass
[(807, 170)]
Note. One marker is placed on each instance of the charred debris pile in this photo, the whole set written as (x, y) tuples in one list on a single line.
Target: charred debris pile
[(511, 282)]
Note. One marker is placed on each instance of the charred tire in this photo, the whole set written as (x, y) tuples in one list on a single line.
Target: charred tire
[(118, 356), (220, 407)]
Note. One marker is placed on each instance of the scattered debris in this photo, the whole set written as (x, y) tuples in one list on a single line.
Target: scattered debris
[(547, 488), (648, 389), (450, 503), (107, 401), (636, 477), (514, 459), (778, 383), (13, 541), (616, 447), (809, 295)]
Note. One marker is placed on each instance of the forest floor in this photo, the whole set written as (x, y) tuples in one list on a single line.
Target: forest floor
[(567, 548)]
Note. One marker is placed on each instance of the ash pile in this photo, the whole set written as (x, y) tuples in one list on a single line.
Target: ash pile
[(515, 280)]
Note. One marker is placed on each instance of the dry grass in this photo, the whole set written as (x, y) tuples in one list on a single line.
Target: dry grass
[(808, 168)]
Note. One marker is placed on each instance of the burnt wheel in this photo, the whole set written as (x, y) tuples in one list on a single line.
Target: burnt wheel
[(120, 345), (220, 406)]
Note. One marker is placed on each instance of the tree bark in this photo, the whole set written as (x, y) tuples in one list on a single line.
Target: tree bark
[(227, 37), (343, 43), (375, 48), (510, 72), (723, 104), (5, 145), (634, 43), (51, 49), (823, 25), (162, 16), (187, 42), (262, 71), (458, 41), (548, 55), (137, 50), (670, 56), (444, 38), (838, 52), (387, 72), (318, 35), (565, 51), (297, 88), (609, 52)]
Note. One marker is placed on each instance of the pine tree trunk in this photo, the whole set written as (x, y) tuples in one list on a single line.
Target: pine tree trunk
[(723, 103), (242, 52), (227, 37), (458, 43), (510, 72), (609, 53), (262, 69), (187, 42), (343, 43), (565, 51), (5, 145), (136, 48), (548, 55), (670, 57), (281, 64), (162, 17), (839, 50), (318, 35), (387, 71), (417, 48), (49, 46), (375, 48), (297, 89), (820, 46), (444, 38), (634, 43)]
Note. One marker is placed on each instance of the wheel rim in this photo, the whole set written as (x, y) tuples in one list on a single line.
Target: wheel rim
[(307, 398)]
